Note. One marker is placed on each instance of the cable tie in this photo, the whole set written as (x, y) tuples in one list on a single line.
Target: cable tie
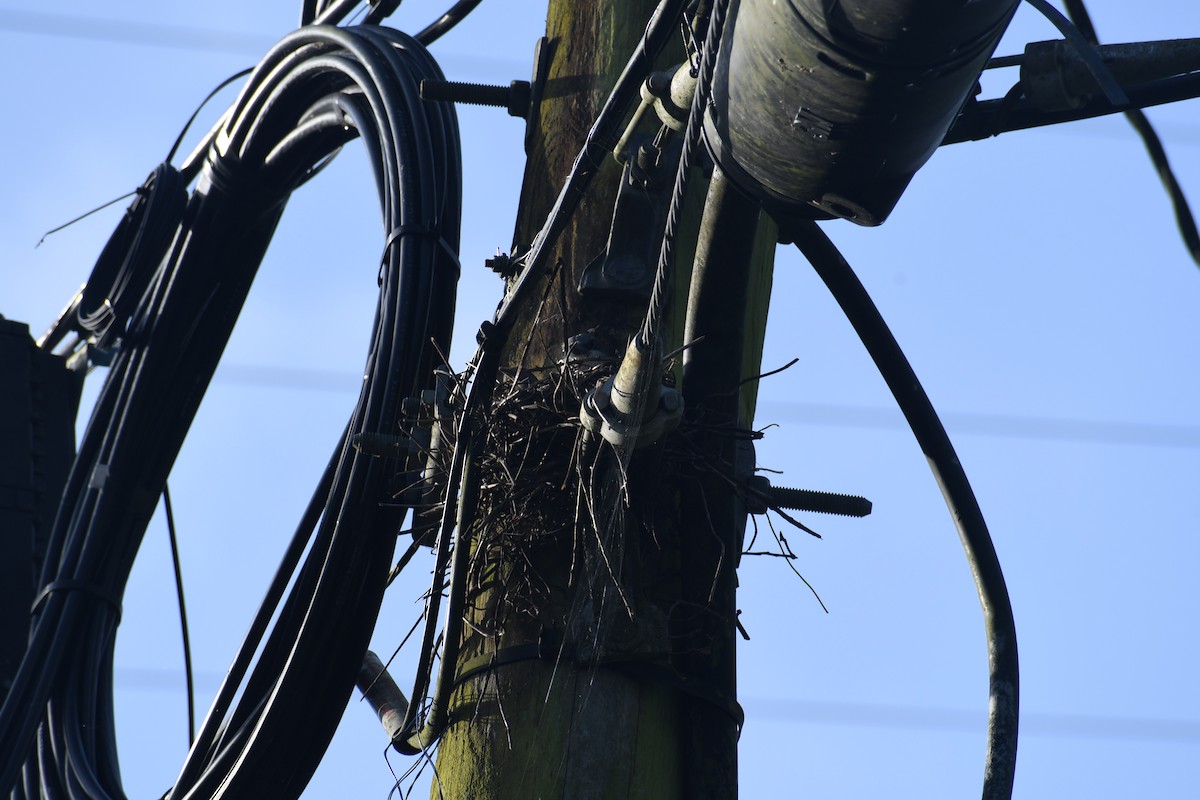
[(433, 231), (77, 586), (231, 177), (99, 476)]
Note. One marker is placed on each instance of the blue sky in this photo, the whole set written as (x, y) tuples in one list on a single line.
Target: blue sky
[(1036, 282)]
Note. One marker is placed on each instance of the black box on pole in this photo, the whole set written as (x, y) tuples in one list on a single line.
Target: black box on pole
[(39, 399)]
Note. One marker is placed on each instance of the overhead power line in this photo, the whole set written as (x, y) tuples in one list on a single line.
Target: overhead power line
[(953, 720), (822, 712), (269, 376), (1002, 425), (124, 31), (204, 40), (850, 416)]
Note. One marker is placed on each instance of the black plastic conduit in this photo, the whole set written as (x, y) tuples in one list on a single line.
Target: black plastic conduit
[(998, 620)]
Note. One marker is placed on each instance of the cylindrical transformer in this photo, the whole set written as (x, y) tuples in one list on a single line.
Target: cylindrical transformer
[(827, 108)]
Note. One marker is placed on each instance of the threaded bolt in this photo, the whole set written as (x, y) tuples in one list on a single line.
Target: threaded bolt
[(761, 495), (501, 264), (514, 97), (847, 505)]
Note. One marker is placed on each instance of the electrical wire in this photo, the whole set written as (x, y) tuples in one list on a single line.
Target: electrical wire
[(187, 125), (446, 22), (600, 141), (648, 334), (1184, 218), (282, 699), (136, 246), (989, 118), (83, 216), (1091, 57), (335, 11), (131, 32), (999, 625), (328, 13), (188, 676)]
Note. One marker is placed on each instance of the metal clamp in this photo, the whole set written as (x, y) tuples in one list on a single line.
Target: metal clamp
[(633, 408)]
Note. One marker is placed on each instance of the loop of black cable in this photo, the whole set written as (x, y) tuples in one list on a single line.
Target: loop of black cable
[(228, 745), (58, 740), (1000, 628)]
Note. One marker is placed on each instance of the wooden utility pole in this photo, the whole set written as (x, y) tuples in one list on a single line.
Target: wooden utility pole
[(598, 657)]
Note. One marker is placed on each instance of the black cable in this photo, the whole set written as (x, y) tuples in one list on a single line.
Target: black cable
[(446, 22), (83, 216), (457, 511), (127, 259), (1013, 112), (189, 677), (131, 256), (268, 740), (332, 12), (601, 139), (187, 125), (385, 318), (308, 11), (1184, 218), (1003, 668), (1087, 53), (262, 619)]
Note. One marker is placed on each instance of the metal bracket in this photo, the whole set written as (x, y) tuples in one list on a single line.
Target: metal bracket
[(629, 259), (1057, 78), (424, 438), (543, 53)]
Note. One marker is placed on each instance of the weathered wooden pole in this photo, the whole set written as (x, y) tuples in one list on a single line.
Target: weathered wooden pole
[(572, 682)]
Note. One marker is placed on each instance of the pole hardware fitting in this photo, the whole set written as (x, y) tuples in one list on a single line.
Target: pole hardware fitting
[(633, 408), (669, 93), (434, 420), (502, 264), (382, 694), (630, 257), (1055, 77), (486, 335), (515, 97), (760, 496), (384, 445), (543, 52)]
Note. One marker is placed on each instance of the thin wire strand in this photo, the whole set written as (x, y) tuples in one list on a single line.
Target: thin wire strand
[(660, 294), (1184, 218), (83, 216), (189, 676), (207, 98)]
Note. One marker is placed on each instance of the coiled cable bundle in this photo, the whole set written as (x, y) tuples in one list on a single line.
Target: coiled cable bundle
[(319, 88)]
